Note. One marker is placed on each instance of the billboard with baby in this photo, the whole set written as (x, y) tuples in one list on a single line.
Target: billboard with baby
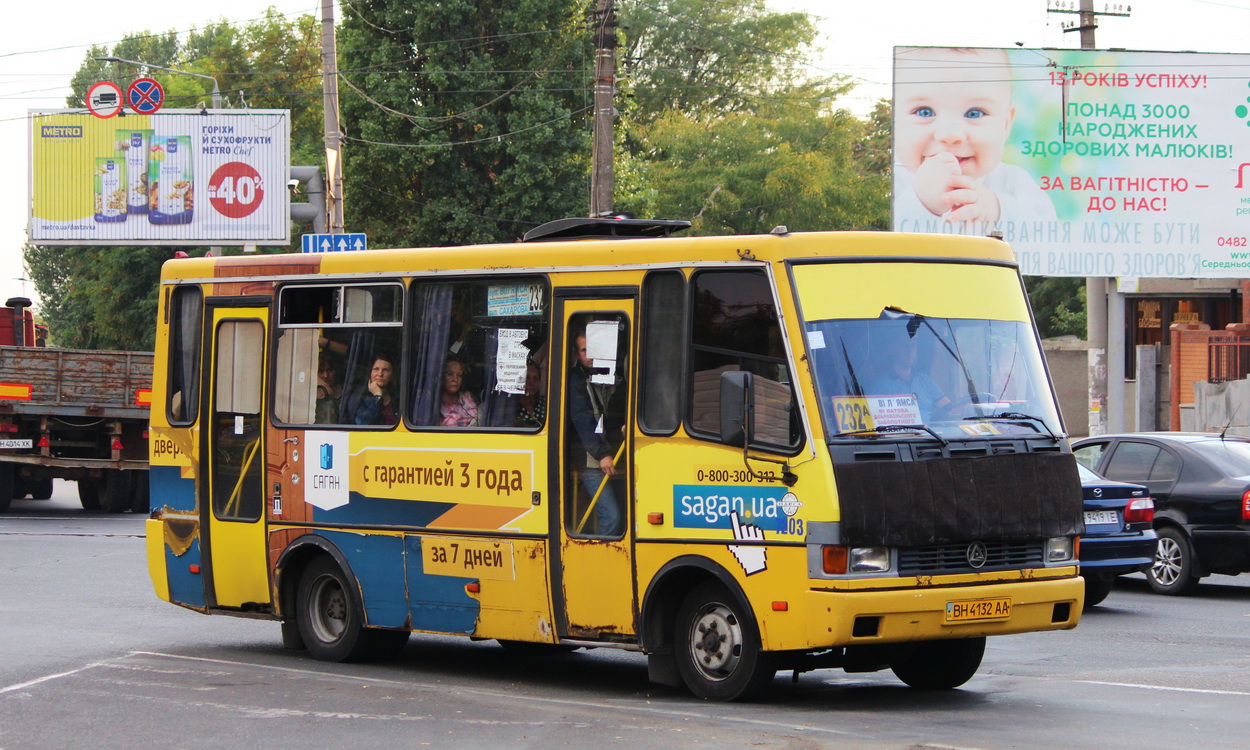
[(1090, 163), (177, 177)]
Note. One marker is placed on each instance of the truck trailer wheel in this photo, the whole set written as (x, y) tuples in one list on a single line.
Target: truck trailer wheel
[(115, 491), (40, 489), (139, 502), (89, 494), (6, 487)]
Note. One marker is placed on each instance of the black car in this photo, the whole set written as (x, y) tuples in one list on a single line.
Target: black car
[(1200, 483), (1118, 536)]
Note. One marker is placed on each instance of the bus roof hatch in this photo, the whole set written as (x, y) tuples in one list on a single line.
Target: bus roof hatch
[(579, 228)]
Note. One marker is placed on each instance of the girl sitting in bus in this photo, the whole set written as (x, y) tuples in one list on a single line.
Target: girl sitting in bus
[(378, 406), (457, 407)]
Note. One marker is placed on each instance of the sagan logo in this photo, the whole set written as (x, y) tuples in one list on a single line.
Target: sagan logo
[(327, 456)]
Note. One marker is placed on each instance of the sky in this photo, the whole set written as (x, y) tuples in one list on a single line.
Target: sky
[(41, 46)]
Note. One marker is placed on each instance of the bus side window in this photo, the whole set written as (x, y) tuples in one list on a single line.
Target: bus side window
[(735, 327), (185, 328), (330, 342), (486, 331), (663, 330)]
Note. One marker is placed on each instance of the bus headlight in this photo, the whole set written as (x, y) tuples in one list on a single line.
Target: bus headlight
[(1058, 549), (869, 559), (839, 560)]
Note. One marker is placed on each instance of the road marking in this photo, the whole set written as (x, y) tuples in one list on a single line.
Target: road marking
[(580, 703), (46, 678), (1164, 687)]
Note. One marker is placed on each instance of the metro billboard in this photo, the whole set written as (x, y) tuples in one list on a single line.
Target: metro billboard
[(178, 177), (1090, 162)]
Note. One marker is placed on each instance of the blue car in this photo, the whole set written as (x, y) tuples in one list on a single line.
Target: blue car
[(1118, 537)]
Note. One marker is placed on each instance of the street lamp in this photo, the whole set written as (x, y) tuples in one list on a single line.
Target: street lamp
[(216, 90)]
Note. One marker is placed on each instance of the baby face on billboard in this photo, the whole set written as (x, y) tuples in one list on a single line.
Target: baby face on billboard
[(953, 116)]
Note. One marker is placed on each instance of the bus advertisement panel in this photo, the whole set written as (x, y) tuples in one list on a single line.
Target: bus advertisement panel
[(178, 177), (1090, 162)]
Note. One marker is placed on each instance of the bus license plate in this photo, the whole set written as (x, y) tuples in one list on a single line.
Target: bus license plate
[(15, 443), (978, 609)]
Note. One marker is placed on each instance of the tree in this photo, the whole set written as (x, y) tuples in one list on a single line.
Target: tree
[(1058, 305), (704, 57), (724, 125), (789, 162), (467, 121)]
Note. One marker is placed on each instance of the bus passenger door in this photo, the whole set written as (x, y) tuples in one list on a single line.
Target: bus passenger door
[(233, 519), (592, 565)]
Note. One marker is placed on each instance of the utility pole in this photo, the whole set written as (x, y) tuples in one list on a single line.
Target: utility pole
[(1103, 369), (601, 177), (334, 138)]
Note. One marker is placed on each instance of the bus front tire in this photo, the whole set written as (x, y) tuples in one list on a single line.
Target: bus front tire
[(718, 646), (331, 622), (940, 665)]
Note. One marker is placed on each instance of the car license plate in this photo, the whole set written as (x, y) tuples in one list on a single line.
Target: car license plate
[(1096, 517), (978, 609), (15, 443)]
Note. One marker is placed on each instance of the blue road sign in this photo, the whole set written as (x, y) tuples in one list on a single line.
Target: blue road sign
[(333, 243)]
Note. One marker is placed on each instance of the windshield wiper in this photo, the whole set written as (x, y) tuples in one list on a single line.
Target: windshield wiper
[(897, 428), (1015, 415)]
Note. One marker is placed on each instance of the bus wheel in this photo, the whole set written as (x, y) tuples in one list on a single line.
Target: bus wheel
[(718, 646), (89, 494), (331, 622), (941, 665)]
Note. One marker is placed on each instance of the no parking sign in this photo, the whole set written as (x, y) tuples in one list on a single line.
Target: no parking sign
[(145, 96)]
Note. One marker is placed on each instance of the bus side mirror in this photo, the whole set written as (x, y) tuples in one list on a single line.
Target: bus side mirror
[(737, 407)]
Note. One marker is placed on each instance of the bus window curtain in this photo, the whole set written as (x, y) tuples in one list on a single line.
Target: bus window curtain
[(432, 315), (360, 354), (498, 408)]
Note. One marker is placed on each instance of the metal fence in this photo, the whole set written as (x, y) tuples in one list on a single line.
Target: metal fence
[(1227, 359)]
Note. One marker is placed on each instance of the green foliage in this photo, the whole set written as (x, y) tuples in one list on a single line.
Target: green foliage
[(1058, 305), (790, 161), (708, 57), (723, 125), (98, 297), (467, 121)]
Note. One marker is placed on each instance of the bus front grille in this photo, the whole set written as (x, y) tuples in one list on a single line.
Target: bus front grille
[(960, 558)]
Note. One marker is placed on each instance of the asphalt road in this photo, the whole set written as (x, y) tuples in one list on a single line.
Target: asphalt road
[(90, 657)]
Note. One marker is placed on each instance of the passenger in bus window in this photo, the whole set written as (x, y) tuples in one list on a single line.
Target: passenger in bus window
[(378, 406), (532, 404), (597, 415), (457, 407), (329, 390)]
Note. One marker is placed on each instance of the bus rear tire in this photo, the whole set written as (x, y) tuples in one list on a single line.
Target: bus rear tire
[(331, 620), (941, 665), (718, 646)]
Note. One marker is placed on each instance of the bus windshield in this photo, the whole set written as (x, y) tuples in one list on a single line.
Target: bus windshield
[(951, 378)]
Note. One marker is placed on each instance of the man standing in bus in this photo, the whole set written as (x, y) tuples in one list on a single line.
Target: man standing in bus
[(596, 411)]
